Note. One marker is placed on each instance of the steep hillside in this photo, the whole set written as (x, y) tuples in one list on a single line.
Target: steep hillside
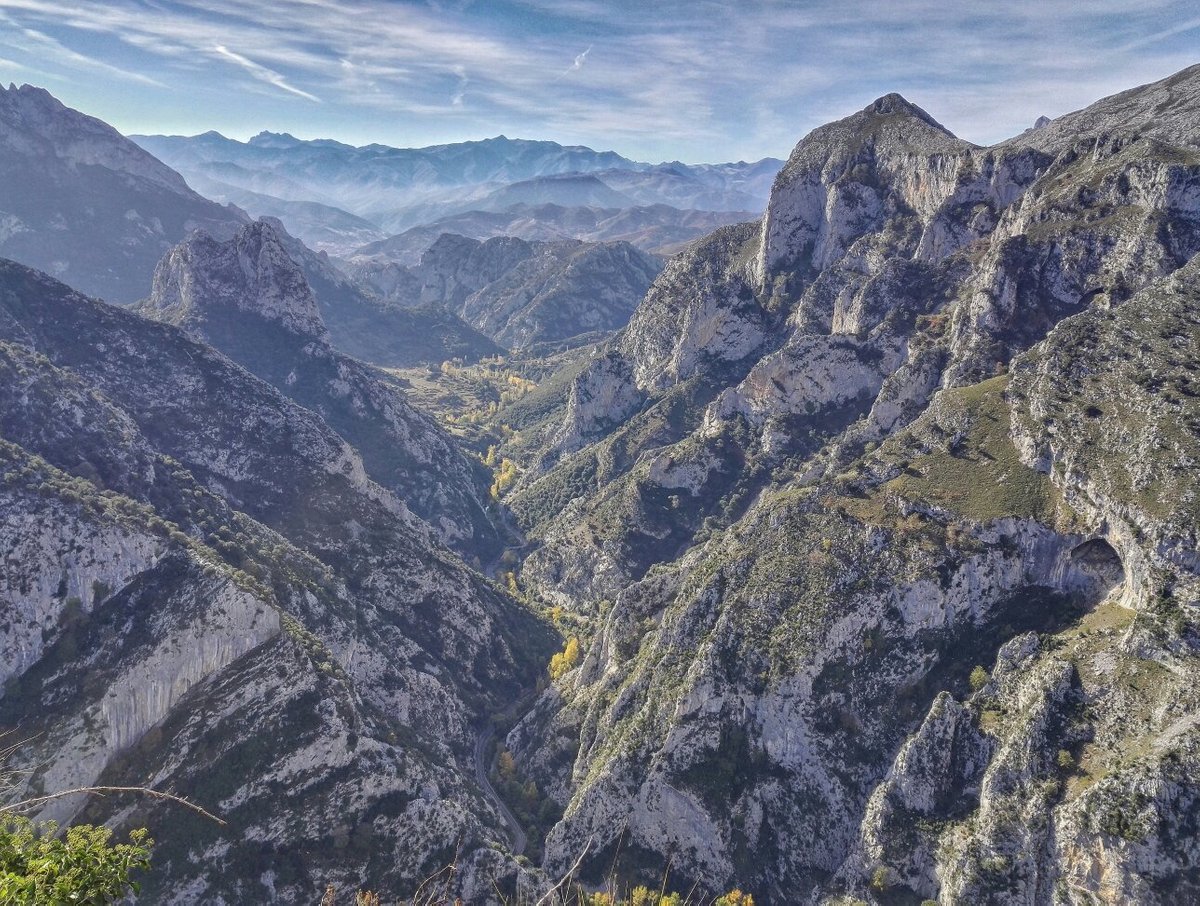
[(931, 413), (210, 595), (82, 202), (249, 299)]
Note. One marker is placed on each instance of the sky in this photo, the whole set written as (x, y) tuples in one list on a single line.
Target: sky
[(689, 80)]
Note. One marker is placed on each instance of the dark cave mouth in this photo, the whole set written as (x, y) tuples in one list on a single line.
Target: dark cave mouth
[(1094, 570)]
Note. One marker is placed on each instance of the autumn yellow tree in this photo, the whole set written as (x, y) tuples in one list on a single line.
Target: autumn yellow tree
[(566, 659)]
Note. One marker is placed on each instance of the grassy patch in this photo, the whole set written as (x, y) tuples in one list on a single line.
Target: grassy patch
[(972, 468)]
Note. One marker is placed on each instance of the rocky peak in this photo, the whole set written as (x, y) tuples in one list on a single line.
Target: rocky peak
[(888, 124), (847, 178), (455, 266), (34, 122), (252, 273), (894, 104), (266, 139)]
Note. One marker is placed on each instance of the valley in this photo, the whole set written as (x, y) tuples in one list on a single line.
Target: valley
[(555, 525)]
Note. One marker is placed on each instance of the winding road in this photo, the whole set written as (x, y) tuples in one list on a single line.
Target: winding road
[(515, 831)]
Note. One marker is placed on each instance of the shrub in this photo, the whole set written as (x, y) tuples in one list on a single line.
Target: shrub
[(506, 766), (880, 879), (82, 867), (978, 679)]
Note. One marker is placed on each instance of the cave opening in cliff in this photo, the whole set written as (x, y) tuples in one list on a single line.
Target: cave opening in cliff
[(1096, 570)]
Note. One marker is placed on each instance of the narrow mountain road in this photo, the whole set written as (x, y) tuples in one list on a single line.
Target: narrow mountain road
[(482, 769)]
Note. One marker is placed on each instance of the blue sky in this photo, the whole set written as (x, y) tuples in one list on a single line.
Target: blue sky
[(692, 80)]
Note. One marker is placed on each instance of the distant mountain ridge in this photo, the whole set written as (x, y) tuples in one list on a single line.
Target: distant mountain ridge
[(658, 229), (399, 188)]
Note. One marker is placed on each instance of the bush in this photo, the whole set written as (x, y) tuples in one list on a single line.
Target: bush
[(881, 879), (978, 679), (37, 867)]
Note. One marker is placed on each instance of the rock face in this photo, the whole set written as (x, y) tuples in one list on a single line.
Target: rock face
[(521, 293), (932, 412), (249, 299), (84, 203), (211, 595), (204, 279)]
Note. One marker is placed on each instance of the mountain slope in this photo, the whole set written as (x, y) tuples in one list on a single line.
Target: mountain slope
[(239, 609), (86, 204), (249, 299), (520, 293), (931, 413)]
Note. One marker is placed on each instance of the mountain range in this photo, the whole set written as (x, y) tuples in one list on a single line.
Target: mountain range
[(396, 189), (851, 555)]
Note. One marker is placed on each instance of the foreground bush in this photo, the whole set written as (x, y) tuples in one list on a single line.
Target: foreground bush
[(81, 867)]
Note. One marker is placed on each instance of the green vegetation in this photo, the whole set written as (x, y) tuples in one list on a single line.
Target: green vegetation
[(535, 813), (978, 679), (40, 868), (970, 465), (546, 497), (505, 477), (881, 879)]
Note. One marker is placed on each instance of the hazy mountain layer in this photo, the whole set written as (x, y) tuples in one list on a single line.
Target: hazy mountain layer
[(658, 229), (399, 188)]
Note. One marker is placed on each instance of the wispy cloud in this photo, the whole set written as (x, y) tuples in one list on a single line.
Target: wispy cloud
[(51, 50), (677, 78), (461, 91), (262, 73), (1164, 34), (580, 59)]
